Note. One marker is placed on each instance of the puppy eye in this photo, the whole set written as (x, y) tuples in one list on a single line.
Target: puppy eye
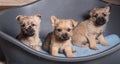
[(104, 14), (95, 15), (59, 30), (23, 25), (68, 30), (33, 24)]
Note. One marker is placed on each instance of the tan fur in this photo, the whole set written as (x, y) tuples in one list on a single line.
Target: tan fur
[(32, 41), (86, 33), (52, 44)]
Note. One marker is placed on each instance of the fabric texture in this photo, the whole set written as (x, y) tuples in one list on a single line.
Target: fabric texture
[(112, 39)]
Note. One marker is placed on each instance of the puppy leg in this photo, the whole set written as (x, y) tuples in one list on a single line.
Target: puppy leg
[(54, 51), (80, 41), (37, 47), (102, 40), (92, 42), (68, 51)]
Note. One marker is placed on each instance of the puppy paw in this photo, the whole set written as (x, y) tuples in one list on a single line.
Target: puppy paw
[(70, 55), (54, 54), (37, 48), (54, 51), (104, 43), (94, 47)]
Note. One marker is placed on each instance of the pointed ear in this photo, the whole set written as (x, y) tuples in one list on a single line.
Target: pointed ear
[(19, 17), (92, 11), (74, 23), (107, 8), (38, 15), (54, 20)]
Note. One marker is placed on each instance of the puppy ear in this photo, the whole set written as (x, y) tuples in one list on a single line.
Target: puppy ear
[(74, 23), (38, 15), (19, 17), (92, 11), (53, 20), (107, 8)]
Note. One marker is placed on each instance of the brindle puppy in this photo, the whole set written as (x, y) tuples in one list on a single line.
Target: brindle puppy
[(60, 39), (29, 34), (91, 31)]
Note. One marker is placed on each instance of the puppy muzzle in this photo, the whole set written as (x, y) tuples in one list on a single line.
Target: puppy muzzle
[(28, 32), (64, 37), (100, 21)]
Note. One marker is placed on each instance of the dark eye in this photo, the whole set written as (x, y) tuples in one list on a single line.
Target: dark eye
[(104, 14), (33, 24), (68, 29), (23, 25), (95, 15), (59, 30)]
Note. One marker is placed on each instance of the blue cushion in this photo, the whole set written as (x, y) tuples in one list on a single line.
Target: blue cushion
[(112, 39)]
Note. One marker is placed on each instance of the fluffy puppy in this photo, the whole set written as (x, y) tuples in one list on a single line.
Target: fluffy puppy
[(60, 39), (90, 31), (29, 34)]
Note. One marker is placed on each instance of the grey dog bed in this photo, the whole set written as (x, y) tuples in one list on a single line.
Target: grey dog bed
[(17, 53)]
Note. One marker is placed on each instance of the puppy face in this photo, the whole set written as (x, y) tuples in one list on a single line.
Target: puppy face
[(29, 24), (63, 28), (100, 15)]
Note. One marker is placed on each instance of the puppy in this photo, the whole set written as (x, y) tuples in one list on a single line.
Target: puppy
[(29, 34), (60, 39), (91, 31)]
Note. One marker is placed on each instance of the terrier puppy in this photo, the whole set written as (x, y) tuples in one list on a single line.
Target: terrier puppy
[(29, 34), (91, 31), (60, 39)]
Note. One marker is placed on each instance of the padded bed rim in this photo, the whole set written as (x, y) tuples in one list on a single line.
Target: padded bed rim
[(61, 59)]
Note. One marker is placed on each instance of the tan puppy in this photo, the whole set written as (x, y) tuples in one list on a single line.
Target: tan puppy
[(60, 39), (29, 34), (90, 31)]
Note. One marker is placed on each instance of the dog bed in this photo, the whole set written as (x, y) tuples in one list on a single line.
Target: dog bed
[(112, 39), (17, 53)]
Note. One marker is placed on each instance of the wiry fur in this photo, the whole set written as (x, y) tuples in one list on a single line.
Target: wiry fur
[(90, 31), (29, 34), (60, 39)]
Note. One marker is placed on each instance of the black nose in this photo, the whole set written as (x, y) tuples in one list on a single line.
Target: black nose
[(100, 21), (64, 37), (30, 31)]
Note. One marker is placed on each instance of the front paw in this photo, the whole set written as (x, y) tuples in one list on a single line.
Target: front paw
[(94, 47), (104, 43), (37, 48), (54, 51), (70, 55), (54, 54)]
